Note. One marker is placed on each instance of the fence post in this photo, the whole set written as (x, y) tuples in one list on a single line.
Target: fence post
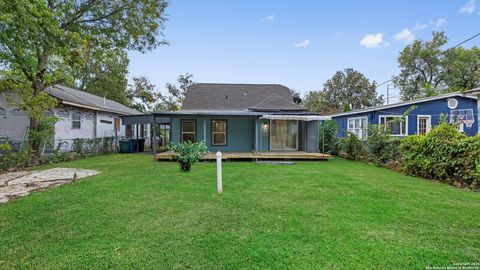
[(219, 171)]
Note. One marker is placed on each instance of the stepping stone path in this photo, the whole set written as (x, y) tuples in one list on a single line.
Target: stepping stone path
[(22, 183)]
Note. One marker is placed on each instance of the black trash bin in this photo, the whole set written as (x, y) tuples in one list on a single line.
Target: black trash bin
[(134, 144), (141, 145)]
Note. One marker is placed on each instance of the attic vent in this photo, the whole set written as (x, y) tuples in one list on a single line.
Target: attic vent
[(452, 103)]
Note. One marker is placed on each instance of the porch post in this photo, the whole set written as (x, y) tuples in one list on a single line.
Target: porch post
[(256, 134), (205, 131), (154, 138)]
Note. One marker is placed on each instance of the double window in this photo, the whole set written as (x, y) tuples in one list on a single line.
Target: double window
[(358, 126), (396, 124), (188, 130), (76, 120), (219, 132)]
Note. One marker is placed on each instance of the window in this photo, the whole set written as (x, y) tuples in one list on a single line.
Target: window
[(397, 124), (128, 131), (358, 126), (424, 124), (188, 130), (219, 132), (461, 118), (76, 120)]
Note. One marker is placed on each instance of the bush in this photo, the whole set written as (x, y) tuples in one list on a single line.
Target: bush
[(189, 153), (353, 147), (443, 154), (10, 159), (328, 140), (381, 146)]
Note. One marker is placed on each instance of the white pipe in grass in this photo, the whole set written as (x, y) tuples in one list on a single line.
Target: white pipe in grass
[(219, 171)]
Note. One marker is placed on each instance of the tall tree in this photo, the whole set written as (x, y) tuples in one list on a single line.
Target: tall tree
[(176, 93), (142, 94), (43, 41), (420, 66), (104, 74), (350, 89), (426, 69), (315, 101)]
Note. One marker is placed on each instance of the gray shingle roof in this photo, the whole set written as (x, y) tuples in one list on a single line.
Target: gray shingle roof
[(86, 99), (239, 97)]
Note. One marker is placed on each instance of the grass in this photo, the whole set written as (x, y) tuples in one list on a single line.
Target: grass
[(337, 214)]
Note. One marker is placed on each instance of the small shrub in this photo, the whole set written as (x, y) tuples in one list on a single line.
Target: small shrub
[(189, 153), (353, 147), (327, 137), (382, 148), (10, 159)]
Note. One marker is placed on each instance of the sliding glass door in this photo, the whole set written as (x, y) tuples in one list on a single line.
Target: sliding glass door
[(283, 135)]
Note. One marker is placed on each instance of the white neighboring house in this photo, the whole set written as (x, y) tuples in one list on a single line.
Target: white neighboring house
[(81, 115)]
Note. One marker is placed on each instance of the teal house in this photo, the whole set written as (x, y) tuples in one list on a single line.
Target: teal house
[(244, 117)]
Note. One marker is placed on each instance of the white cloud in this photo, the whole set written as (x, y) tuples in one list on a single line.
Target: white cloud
[(304, 43), (268, 18), (339, 35), (469, 7), (404, 36), (420, 26), (372, 40), (438, 23)]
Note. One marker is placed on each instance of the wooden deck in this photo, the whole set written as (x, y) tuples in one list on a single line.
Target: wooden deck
[(255, 155)]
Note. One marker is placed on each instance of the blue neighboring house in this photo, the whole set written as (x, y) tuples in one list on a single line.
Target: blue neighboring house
[(459, 109)]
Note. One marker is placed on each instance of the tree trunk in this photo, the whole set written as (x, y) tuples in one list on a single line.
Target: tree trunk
[(34, 147)]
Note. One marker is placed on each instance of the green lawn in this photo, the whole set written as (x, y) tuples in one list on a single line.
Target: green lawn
[(335, 214)]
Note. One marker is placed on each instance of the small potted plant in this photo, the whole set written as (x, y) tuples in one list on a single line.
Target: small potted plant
[(188, 153)]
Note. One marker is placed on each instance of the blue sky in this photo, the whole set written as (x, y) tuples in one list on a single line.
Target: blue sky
[(299, 44)]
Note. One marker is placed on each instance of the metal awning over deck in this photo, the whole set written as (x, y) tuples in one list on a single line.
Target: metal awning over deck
[(144, 119), (296, 117)]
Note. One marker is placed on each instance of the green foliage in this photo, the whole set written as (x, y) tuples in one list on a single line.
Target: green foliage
[(45, 42), (353, 147), (104, 74), (381, 147), (428, 70), (44, 132), (176, 94), (10, 159), (352, 88), (327, 137), (315, 101), (189, 153), (142, 94), (443, 154)]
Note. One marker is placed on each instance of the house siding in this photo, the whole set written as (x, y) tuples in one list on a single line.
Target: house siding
[(433, 108), (240, 132)]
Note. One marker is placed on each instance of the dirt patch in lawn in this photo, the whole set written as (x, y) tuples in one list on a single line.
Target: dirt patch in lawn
[(22, 183)]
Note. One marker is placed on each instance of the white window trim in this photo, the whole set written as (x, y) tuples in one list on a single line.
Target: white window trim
[(429, 123), (360, 118), (395, 115)]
